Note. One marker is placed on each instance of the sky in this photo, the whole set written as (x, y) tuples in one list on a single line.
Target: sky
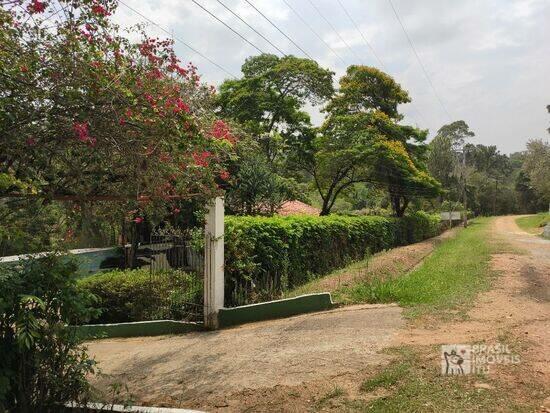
[(487, 60)]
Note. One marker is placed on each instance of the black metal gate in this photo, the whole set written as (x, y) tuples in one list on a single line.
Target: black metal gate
[(177, 274)]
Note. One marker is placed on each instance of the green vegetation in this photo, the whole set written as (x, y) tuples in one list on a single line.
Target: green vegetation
[(139, 295), (449, 278), (533, 223), (42, 363), (267, 256), (415, 385)]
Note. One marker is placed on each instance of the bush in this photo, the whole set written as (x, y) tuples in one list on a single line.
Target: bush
[(266, 256), (139, 295), (42, 364)]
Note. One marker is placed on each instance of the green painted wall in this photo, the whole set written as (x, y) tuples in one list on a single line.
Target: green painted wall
[(136, 329), (274, 309)]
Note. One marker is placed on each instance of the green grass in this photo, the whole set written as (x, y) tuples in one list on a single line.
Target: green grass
[(414, 384), (533, 223), (448, 279)]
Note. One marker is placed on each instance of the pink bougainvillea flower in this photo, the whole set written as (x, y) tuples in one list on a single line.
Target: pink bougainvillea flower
[(181, 105), (224, 175), (99, 10), (176, 211), (82, 133), (36, 6), (220, 130), (138, 220), (202, 158)]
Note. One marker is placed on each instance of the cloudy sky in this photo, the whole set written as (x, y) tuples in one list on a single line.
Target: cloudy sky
[(488, 60)]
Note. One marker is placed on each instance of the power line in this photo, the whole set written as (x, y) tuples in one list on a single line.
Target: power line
[(334, 30), (179, 40), (252, 28), (279, 30), (361, 34), (228, 26), (369, 45), (314, 32), (419, 60)]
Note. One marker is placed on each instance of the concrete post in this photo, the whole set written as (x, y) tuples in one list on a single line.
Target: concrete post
[(213, 262)]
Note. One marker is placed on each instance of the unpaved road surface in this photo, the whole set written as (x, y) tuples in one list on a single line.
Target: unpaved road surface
[(201, 369), (286, 365)]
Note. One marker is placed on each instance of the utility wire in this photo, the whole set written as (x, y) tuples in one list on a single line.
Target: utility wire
[(314, 32), (369, 45), (252, 28), (279, 30), (228, 26), (179, 40), (419, 60), (335, 31)]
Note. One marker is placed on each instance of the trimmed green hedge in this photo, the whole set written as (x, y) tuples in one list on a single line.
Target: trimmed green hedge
[(138, 295), (266, 256)]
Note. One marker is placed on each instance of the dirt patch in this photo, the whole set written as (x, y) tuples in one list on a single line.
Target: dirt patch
[(202, 370)]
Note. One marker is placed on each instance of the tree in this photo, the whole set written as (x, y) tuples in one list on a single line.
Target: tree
[(268, 99), (443, 155), (87, 114), (361, 141), (537, 167)]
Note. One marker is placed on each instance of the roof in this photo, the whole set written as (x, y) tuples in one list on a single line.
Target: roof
[(297, 208)]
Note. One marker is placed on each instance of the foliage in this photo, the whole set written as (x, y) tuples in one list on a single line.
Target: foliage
[(115, 119), (139, 295), (537, 167), (257, 189), (268, 100), (42, 363), (267, 256), (361, 141)]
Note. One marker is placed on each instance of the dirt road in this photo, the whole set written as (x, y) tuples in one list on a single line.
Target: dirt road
[(287, 365)]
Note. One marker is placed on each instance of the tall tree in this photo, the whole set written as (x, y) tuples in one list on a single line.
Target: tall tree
[(269, 98), (362, 141), (537, 167)]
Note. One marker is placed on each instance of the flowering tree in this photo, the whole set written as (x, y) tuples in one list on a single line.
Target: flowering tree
[(86, 114)]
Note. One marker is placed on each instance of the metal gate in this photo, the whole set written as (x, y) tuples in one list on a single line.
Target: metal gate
[(176, 275)]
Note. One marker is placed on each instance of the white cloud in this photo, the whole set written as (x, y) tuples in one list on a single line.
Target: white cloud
[(488, 60)]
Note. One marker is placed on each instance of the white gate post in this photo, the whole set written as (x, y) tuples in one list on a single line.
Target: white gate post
[(213, 262)]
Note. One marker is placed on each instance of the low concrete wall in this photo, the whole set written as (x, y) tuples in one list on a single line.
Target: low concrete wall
[(90, 260), (274, 309), (136, 329)]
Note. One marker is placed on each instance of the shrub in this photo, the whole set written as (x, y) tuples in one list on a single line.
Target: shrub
[(266, 256), (42, 364), (138, 295)]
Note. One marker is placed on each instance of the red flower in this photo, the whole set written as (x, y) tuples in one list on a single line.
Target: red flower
[(220, 130), (23, 68), (181, 105), (138, 220), (36, 6), (165, 157), (176, 211), (99, 10), (82, 133), (202, 159), (224, 175)]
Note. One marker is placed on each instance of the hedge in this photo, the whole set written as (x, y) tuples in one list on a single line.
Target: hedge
[(265, 256), (139, 295)]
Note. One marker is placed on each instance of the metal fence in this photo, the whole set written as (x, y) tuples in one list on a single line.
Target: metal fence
[(176, 276)]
